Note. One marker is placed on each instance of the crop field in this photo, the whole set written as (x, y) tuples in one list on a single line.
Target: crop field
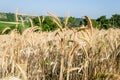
[(64, 54)]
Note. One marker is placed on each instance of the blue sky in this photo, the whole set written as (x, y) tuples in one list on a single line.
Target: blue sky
[(76, 8)]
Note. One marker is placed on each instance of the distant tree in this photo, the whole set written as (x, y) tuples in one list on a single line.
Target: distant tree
[(95, 23), (83, 22), (10, 17), (46, 25), (36, 21), (72, 21), (103, 22), (115, 20)]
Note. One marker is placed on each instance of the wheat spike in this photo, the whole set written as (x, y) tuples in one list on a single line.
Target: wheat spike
[(89, 24)]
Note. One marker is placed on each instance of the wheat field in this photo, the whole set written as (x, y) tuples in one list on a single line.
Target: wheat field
[(68, 55), (84, 53)]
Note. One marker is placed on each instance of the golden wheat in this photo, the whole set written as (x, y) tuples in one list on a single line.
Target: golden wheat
[(65, 54)]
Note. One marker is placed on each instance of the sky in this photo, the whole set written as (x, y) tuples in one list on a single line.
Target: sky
[(75, 8)]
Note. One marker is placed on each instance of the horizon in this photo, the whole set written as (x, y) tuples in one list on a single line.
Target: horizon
[(93, 9)]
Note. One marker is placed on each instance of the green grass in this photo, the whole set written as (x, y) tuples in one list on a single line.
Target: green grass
[(12, 26), (4, 25)]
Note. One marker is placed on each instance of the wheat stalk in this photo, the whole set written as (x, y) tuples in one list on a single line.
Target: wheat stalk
[(22, 72), (66, 21), (39, 20), (89, 24), (56, 20), (16, 17), (22, 22), (70, 59), (7, 28), (31, 22)]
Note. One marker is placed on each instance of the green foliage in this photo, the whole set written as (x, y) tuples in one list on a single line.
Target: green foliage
[(20, 28), (85, 22), (10, 17), (103, 22), (72, 21), (36, 21), (115, 20), (95, 23), (46, 25)]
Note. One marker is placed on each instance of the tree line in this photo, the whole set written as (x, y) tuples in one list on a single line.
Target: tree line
[(10, 17), (46, 23), (101, 23)]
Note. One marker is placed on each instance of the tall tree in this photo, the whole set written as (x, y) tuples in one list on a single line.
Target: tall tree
[(115, 20), (103, 22), (72, 21)]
